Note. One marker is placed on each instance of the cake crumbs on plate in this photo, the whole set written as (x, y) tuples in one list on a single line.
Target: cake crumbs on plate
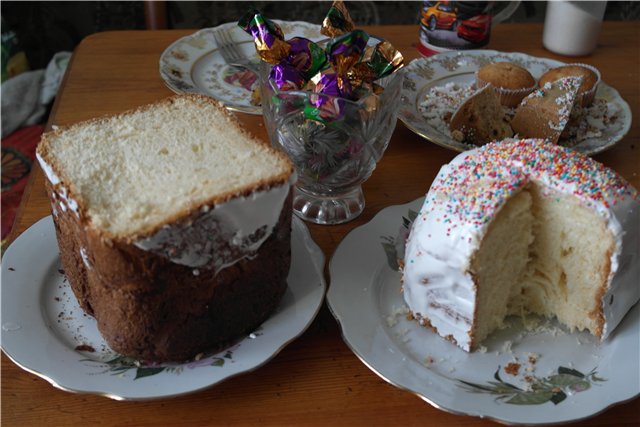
[(393, 318), (512, 368), (440, 102)]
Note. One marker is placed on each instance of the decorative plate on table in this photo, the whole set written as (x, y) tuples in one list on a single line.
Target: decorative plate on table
[(535, 376), (45, 332), (608, 120), (193, 64)]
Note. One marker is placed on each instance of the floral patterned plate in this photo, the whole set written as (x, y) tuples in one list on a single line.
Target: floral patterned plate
[(610, 118), (540, 376), (45, 332), (193, 64)]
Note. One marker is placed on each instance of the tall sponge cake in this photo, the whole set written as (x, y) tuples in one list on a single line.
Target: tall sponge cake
[(173, 225), (518, 227)]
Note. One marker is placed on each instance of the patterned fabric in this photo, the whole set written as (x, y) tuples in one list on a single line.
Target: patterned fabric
[(18, 153)]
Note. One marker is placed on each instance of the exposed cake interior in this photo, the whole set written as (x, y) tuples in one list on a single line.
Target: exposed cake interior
[(197, 159), (544, 253)]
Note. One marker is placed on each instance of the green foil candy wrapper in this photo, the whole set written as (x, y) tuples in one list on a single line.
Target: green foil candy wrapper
[(338, 21)]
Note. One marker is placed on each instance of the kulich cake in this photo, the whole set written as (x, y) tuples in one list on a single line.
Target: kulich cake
[(173, 224), (546, 112), (518, 227), (590, 80), (480, 119), (510, 81)]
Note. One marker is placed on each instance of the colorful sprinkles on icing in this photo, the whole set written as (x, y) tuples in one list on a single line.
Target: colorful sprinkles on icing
[(481, 183)]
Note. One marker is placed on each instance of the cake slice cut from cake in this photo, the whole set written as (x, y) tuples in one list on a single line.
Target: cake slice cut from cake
[(523, 227), (480, 119), (173, 224), (546, 112)]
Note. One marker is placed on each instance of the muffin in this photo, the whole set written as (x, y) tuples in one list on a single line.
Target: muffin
[(510, 81), (590, 80)]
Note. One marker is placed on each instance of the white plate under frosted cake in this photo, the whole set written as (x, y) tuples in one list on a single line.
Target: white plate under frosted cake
[(591, 376)]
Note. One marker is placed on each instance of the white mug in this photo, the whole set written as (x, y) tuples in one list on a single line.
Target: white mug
[(571, 28)]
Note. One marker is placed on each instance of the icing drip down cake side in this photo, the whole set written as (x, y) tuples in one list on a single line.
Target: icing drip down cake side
[(174, 225), (523, 227)]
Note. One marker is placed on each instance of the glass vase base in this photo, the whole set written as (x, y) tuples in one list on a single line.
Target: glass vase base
[(328, 210)]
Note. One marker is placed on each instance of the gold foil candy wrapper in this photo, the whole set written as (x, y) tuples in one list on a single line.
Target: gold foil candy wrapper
[(377, 61)]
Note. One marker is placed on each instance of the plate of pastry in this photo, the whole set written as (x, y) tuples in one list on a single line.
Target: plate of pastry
[(441, 101), (45, 332), (193, 64), (428, 289)]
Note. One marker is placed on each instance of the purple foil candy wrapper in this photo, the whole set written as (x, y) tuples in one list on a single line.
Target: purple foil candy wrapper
[(267, 36), (306, 56), (332, 91), (333, 84), (286, 77)]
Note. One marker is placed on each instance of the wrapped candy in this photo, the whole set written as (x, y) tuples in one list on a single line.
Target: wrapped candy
[(267, 36), (286, 77), (330, 91), (345, 51), (377, 61), (345, 70), (306, 56), (338, 21)]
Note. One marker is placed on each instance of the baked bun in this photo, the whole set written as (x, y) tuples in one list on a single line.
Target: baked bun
[(510, 81)]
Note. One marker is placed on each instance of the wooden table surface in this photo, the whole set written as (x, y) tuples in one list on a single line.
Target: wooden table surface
[(316, 380)]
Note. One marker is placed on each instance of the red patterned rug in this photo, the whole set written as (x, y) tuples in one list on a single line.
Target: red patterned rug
[(18, 153)]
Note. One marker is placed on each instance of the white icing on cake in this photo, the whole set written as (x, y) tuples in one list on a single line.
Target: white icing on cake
[(223, 234)]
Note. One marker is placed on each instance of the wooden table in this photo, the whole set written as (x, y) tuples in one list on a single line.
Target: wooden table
[(316, 380)]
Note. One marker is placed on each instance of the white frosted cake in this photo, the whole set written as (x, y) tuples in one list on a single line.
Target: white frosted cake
[(523, 227)]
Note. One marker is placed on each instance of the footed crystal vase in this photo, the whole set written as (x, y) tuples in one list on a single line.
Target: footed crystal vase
[(334, 144)]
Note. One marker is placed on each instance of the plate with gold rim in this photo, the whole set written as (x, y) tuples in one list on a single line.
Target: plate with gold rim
[(45, 332), (609, 120), (528, 376), (193, 64)]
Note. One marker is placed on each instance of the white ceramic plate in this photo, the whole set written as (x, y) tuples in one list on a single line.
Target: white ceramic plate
[(45, 332), (582, 376), (422, 74), (193, 64)]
